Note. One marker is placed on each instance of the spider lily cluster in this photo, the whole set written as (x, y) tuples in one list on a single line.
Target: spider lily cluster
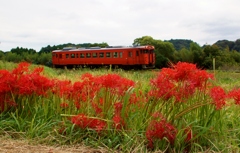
[(179, 103)]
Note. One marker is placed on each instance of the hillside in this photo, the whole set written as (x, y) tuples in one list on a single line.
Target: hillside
[(222, 44)]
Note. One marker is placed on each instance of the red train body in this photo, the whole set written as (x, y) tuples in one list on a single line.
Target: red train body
[(125, 57)]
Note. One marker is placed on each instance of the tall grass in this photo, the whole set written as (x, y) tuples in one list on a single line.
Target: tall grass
[(177, 109)]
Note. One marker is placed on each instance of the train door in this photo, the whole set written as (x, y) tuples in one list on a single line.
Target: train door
[(137, 57), (151, 57), (130, 57)]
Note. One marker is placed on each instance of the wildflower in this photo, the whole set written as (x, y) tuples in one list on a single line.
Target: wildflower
[(163, 87), (64, 105), (21, 68), (235, 94), (77, 104), (180, 81), (159, 128), (183, 70), (189, 135), (97, 109), (118, 121), (118, 107), (218, 95), (84, 122)]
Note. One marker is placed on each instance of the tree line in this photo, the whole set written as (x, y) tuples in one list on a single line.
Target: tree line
[(226, 53), (227, 58)]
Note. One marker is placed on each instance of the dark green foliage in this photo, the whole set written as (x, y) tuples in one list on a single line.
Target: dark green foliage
[(231, 45), (180, 43), (49, 48), (237, 45), (21, 50)]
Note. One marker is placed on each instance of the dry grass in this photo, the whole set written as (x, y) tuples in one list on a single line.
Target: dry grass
[(8, 145)]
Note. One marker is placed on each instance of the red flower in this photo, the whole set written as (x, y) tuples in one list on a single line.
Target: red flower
[(159, 128), (235, 94), (118, 121), (189, 135), (180, 81), (77, 104), (64, 105), (118, 107), (218, 95), (84, 122)]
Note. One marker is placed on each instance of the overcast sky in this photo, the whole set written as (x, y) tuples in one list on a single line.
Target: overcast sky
[(38, 23)]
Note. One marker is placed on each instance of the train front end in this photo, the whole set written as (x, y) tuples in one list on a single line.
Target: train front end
[(149, 57)]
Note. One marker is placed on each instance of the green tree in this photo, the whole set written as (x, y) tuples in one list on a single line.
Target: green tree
[(12, 57), (2, 55), (197, 53), (211, 51), (186, 55)]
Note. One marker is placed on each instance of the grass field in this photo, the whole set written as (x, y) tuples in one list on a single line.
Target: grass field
[(177, 109)]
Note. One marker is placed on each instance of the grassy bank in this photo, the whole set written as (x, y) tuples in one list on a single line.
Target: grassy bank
[(178, 109)]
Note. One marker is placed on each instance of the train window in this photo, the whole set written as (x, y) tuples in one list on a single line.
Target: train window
[(115, 54), (72, 55), (76, 55), (60, 55), (108, 54), (56, 55), (82, 55), (141, 51), (137, 53), (101, 55), (94, 55), (67, 55), (88, 55), (120, 54), (129, 54), (145, 51)]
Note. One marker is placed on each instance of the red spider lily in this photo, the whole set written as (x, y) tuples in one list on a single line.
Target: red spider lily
[(199, 79), (64, 105), (118, 121), (159, 128), (63, 88), (22, 68), (84, 122), (118, 107), (24, 85), (86, 88), (180, 81), (189, 134), (77, 104), (97, 109), (164, 87), (115, 83), (183, 70), (218, 95), (184, 91), (7, 80), (235, 94)]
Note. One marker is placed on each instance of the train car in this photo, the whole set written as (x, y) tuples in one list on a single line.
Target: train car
[(117, 56)]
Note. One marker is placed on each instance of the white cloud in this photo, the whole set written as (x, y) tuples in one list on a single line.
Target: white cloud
[(35, 24)]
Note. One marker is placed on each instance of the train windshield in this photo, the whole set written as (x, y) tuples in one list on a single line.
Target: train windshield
[(145, 51), (151, 51)]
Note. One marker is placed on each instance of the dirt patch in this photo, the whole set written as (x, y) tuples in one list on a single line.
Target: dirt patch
[(21, 146)]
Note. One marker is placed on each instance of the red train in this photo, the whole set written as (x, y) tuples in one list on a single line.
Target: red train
[(117, 56)]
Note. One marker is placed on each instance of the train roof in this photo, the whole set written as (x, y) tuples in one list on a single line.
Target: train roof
[(99, 48)]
